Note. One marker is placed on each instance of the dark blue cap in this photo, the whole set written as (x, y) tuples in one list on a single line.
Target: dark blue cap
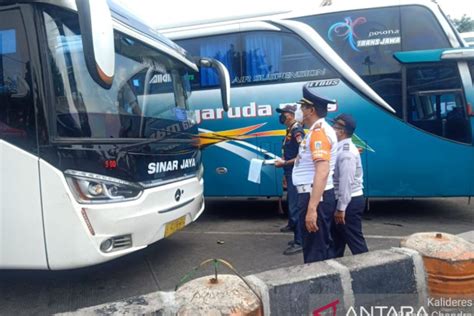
[(289, 108), (347, 121), (315, 100)]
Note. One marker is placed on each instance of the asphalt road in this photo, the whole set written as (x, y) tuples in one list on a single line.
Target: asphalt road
[(245, 233)]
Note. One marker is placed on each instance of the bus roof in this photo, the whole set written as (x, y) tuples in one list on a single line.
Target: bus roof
[(192, 28), (127, 23), (327, 6)]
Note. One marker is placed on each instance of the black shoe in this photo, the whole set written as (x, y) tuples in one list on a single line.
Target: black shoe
[(295, 248), (291, 243), (286, 229)]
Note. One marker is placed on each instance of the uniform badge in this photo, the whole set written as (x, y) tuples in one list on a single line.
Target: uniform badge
[(318, 145), (298, 138)]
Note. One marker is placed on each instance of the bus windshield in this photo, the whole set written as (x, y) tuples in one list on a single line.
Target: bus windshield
[(149, 94)]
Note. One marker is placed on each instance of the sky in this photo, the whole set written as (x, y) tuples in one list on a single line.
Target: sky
[(174, 12)]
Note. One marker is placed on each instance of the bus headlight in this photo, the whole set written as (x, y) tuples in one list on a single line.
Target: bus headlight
[(94, 188)]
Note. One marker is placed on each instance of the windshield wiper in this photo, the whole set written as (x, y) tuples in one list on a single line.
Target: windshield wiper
[(165, 139), (126, 148)]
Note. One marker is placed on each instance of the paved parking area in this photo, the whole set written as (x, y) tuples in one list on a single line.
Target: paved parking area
[(246, 233)]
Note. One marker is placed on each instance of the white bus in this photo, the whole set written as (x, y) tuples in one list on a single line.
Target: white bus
[(98, 148), (399, 67), (468, 37)]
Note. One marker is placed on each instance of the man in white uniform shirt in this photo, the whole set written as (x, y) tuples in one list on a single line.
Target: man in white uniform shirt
[(348, 184), (313, 178)]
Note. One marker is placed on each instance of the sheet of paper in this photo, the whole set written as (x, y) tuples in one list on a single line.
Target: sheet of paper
[(270, 161), (255, 170)]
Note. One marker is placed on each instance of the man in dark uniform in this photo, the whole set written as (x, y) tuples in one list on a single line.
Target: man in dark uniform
[(293, 138), (348, 185)]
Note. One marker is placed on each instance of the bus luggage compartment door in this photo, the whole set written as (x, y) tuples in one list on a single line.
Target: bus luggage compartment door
[(226, 168), (270, 178)]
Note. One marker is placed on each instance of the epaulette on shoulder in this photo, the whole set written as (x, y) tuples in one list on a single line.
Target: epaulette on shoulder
[(346, 147), (296, 125), (318, 126)]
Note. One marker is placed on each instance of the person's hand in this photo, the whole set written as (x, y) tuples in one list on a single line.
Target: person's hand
[(279, 163), (311, 220), (340, 217)]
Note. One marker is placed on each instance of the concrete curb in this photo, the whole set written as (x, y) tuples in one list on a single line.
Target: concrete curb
[(156, 303), (388, 277), (420, 273), (378, 278), (262, 289)]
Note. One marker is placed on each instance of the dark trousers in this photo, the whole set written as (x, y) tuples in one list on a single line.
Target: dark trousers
[(316, 245), (293, 211), (351, 232)]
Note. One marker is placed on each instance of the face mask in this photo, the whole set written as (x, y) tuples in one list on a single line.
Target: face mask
[(282, 118), (299, 115)]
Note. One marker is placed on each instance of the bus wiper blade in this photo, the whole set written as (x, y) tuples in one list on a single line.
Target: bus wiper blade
[(219, 137), (127, 148), (214, 136)]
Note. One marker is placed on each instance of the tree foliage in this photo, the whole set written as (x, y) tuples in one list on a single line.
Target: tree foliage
[(464, 24)]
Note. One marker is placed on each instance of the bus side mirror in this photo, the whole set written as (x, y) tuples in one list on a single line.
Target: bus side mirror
[(97, 33), (224, 79)]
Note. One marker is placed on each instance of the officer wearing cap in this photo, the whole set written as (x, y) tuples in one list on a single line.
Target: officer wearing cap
[(312, 176), (291, 142), (348, 184)]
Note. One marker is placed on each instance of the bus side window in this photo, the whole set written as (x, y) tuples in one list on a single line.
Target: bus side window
[(435, 102), (224, 48), (366, 40), (420, 29), (17, 114), (269, 57)]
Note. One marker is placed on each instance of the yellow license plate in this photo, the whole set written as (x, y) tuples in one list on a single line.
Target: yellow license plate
[(175, 225)]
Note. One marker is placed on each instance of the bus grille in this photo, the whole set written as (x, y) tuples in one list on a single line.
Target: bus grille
[(122, 242)]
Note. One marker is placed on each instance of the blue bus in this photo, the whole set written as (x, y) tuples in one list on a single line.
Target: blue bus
[(401, 70)]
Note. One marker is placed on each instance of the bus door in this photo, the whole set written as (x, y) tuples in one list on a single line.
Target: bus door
[(438, 90), (440, 112), (467, 72), (21, 224), (226, 167)]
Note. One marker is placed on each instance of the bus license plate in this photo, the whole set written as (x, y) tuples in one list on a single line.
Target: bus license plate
[(175, 225)]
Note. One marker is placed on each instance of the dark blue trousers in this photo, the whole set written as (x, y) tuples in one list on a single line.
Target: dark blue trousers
[(351, 232), (316, 245), (293, 211)]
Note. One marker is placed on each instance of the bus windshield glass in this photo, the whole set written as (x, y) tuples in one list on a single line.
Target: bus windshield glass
[(149, 94)]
